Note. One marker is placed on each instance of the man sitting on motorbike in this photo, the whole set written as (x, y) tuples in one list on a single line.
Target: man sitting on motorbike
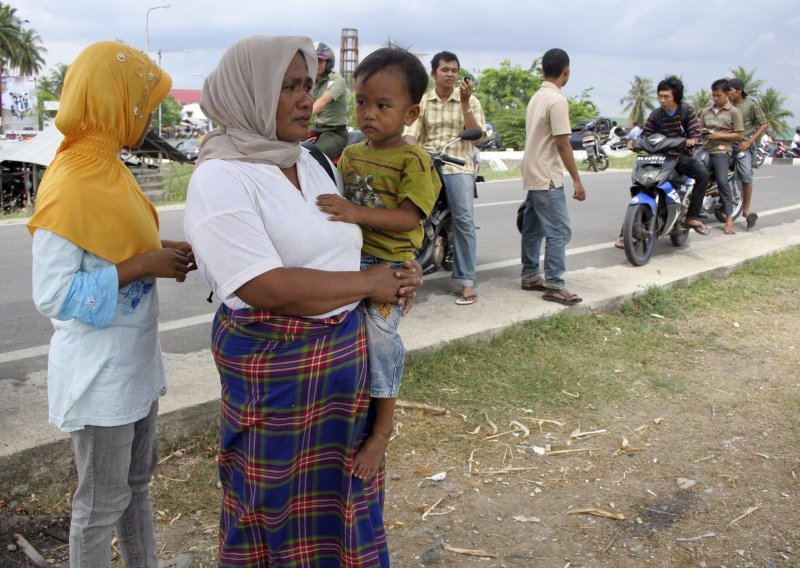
[(674, 119), (330, 105), (796, 139)]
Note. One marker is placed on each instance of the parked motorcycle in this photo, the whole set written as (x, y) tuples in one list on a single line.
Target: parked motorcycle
[(759, 157), (437, 250), (594, 155), (660, 197)]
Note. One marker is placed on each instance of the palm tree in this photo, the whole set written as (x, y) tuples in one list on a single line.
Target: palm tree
[(639, 100), (56, 76), (20, 48), (700, 100), (752, 85), (771, 103)]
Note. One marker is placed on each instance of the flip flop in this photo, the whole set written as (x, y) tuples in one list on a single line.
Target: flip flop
[(467, 300), (751, 220), (698, 227), (729, 230), (566, 298), (619, 243)]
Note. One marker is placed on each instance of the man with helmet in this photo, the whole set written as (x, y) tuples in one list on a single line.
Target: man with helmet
[(330, 105)]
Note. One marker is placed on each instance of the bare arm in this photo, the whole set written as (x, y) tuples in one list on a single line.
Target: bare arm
[(161, 263), (405, 218), (305, 292), (733, 136), (320, 104), (750, 141), (469, 116), (565, 152)]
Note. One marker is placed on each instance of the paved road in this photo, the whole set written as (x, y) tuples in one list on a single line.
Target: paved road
[(185, 313)]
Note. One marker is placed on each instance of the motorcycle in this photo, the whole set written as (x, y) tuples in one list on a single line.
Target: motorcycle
[(660, 197), (759, 157), (437, 249), (782, 151), (594, 155)]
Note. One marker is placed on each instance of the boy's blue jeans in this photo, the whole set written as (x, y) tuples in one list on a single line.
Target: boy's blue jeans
[(386, 351)]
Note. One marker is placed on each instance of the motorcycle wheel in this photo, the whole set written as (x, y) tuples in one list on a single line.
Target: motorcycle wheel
[(736, 197), (639, 234), (520, 216), (593, 162), (759, 160), (679, 239), (602, 163)]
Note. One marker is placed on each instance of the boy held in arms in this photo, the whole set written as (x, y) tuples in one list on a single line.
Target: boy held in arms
[(390, 187)]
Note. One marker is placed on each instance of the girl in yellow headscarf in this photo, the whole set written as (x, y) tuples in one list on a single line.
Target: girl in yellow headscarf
[(96, 255)]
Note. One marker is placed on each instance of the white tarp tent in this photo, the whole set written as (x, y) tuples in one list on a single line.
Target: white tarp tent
[(39, 150)]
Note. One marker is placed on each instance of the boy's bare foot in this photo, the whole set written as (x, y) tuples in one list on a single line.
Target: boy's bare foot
[(368, 458)]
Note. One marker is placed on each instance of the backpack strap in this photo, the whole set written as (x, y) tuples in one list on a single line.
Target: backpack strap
[(320, 157), (657, 117)]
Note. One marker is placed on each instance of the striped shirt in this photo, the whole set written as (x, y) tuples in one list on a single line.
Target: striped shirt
[(384, 179), (671, 126), (440, 122)]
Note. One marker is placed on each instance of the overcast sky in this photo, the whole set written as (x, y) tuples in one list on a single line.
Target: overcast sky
[(609, 41)]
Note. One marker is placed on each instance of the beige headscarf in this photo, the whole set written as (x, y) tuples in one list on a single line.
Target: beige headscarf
[(241, 97)]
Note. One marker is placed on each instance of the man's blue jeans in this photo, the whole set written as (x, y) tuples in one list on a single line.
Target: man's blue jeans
[(461, 197), (546, 218)]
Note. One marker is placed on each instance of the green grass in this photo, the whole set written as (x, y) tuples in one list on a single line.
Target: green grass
[(547, 362), (176, 181)]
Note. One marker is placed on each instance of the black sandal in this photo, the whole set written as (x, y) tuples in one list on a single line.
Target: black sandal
[(698, 227)]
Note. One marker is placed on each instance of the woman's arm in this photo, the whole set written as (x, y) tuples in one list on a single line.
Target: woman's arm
[(306, 292)]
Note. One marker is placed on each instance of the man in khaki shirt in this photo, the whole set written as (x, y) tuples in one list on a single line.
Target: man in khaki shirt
[(547, 152), (725, 123)]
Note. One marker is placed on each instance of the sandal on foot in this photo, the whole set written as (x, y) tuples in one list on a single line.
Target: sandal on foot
[(698, 227), (751, 220), (729, 230), (562, 296), (536, 285), (467, 300), (619, 243)]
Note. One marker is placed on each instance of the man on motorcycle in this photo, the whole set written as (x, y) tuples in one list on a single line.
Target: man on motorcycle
[(675, 119), (330, 105), (796, 139), (445, 111), (754, 126), (725, 125)]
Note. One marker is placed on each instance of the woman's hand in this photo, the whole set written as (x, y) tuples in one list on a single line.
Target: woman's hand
[(394, 286), (185, 248), (160, 263)]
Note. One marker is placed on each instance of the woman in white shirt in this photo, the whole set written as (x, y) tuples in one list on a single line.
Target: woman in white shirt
[(288, 339)]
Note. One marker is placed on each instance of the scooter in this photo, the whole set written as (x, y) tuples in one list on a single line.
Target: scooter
[(660, 197), (594, 155), (759, 157), (437, 250)]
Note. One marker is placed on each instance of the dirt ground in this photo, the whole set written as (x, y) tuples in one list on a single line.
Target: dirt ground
[(701, 475)]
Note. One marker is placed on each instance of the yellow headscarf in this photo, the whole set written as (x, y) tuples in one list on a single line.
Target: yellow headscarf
[(87, 195)]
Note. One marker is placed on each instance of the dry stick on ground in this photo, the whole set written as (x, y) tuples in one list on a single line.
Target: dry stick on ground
[(32, 554), (598, 513), (432, 507), (426, 408), (752, 509), (469, 552)]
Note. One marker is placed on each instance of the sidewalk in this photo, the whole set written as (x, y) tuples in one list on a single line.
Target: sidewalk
[(29, 443)]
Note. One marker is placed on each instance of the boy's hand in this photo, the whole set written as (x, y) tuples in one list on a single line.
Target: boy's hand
[(339, 208)]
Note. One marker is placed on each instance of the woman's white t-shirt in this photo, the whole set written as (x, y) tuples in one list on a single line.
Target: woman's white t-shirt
[(244, 219)]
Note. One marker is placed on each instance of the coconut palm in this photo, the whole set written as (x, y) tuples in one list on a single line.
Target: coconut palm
[(700, 100), (771, 103), (56, 76), (20, 48), (639, 100), (752, 86)]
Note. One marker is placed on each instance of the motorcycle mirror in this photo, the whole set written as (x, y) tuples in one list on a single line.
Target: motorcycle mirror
[(471, 134)]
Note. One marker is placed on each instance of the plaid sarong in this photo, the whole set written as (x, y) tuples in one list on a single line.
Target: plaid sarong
[(295, 405)]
